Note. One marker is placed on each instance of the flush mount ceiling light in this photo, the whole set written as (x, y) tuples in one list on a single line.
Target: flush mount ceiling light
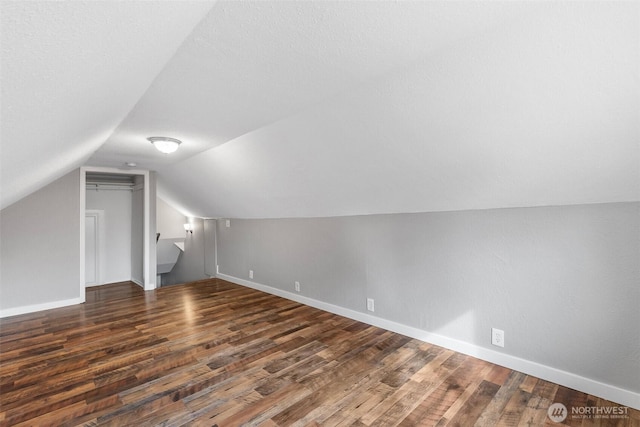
[(164, 144)]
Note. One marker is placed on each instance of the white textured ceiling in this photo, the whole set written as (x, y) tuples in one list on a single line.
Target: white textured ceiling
[(249, 64), (71, 72), (337, 108)]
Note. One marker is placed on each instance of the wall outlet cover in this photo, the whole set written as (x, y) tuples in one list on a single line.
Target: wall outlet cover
[(370, 304), (497, 337)]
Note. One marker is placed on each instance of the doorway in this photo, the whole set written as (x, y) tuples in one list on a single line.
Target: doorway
[(134, 260)]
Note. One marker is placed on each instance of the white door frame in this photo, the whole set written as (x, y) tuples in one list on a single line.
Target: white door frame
[(149, 265)]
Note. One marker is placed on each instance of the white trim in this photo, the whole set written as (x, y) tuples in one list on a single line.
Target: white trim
[(38, 307), (83, 206), (215, 240), (548, 373), (149, 279)]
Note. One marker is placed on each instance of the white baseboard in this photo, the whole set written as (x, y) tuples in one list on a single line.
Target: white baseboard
[(7, 312), (564, 378)]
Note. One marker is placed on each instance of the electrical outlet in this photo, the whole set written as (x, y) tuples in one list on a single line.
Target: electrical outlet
[(370, 304), (217, 269), (228, 223), (250, 274), (297, 284), (497, 337)]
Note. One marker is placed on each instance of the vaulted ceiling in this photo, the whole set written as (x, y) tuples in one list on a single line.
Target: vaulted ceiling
[(323, 108)]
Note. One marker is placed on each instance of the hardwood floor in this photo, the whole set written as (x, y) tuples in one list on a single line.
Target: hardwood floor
[(214, 353)]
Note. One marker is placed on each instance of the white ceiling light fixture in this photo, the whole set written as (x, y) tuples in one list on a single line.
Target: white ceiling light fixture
[(164, 144)]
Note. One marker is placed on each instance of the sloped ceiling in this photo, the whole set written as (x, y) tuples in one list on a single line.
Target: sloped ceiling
[(71, 72), (336, 108)]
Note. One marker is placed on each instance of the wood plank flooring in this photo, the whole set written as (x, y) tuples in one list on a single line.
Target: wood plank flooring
[(212, 353)]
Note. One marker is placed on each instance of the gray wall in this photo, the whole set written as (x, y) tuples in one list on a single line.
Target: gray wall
[(170, 222), (210, 258), (40, 246), (190, 265), (116, 205), (562, 282)]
